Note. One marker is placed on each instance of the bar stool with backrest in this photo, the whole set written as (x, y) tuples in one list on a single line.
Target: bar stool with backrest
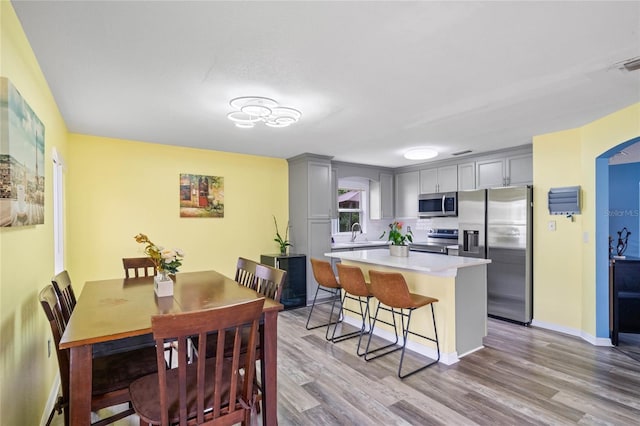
[(327, 282), (391, 290), (62, 286), (354, 287)]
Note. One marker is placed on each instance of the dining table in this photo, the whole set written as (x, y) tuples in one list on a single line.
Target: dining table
[(109, 312)]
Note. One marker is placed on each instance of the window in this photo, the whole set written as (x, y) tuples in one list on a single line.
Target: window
[(350, 208), (58, 211)]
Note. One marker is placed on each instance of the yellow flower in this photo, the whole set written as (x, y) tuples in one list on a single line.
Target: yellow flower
[(168, 260)]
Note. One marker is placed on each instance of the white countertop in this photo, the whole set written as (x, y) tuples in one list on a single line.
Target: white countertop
[(434, 264), (358, 243)]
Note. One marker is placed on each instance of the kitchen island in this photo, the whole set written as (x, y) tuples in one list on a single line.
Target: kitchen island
[(459, 284)]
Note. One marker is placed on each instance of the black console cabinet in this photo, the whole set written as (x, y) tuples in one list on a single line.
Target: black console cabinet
[(294, 293), (625, 298)]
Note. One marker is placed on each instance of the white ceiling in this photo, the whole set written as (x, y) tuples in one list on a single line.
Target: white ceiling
[(372, 79)]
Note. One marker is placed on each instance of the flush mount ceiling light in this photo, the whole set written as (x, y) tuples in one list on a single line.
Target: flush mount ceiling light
[(249, 110), (420, 154)]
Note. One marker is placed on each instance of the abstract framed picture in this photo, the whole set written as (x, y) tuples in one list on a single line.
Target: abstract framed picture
[(201, 196), (21, 160)]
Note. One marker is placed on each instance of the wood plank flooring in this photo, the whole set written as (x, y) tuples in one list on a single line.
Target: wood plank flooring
[(523, 376)]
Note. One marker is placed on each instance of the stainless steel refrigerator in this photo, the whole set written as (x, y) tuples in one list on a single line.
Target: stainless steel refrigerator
[(497, 224)]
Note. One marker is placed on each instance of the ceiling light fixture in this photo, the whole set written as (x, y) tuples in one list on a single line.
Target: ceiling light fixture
[(420, 154), (249, 110)]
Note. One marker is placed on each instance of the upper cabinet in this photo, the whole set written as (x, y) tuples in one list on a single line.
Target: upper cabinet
[(320, 190), (407, 191), (441, 179), (381, 197), (466, 176), (508, 171)]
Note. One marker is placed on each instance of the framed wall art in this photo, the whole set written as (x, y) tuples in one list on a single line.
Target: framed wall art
[(201, 196), (21, 160)]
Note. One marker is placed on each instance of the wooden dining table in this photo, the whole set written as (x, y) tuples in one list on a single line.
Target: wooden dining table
[(108, 311)]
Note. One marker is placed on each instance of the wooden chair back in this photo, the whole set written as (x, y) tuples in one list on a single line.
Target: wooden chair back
[(206, 389), (246, 273), (53, 312), (270, 281), (62, 287), (138, 267)]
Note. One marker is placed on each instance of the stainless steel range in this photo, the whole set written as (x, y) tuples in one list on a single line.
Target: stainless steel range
[(437, 241)]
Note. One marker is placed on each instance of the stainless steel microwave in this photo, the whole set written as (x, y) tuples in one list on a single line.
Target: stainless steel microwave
[(438, 205)]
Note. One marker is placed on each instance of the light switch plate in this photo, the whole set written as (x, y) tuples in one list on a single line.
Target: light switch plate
[(551, 226)]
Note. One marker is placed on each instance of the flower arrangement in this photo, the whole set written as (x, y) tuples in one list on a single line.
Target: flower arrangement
[(283, 242), (167, 261), (395, 234)]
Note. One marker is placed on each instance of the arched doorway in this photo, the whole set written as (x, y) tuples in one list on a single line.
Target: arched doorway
[(602, 236)]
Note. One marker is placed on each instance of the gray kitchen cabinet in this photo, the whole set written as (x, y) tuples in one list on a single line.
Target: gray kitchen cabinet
[(407, 191), (310, 209), (506, 171), (381, 197), (466, 176), (441, 179)]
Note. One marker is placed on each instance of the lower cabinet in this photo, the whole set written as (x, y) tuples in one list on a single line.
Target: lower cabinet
[(294, 292)]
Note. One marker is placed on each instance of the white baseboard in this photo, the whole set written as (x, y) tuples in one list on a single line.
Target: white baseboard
[(596, 341), (51, 401)]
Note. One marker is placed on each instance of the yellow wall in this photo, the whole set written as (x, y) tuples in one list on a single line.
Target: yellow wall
[(564, 263), (120, 188), (26, 253)]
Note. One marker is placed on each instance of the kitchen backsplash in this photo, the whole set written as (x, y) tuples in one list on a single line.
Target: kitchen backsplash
[(419, 227)]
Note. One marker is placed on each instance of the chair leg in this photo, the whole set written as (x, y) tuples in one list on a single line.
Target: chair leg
[(366, 315), (406, 332), (351, 335), (373, 325), (334, 293)]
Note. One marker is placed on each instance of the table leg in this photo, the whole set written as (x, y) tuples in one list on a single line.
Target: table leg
[(269, 369), (80, 385)]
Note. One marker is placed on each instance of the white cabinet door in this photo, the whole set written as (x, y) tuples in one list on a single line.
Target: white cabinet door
[(448, 179), (407, 190), (441, 179), (466, 176), (490, 173), (381, 197), (519, 169), (386, 195), (319, 188), (428, 181)]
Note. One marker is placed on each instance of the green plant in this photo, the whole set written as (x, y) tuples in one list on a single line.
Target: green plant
[(395, 234), (284, 243), (166, 260)]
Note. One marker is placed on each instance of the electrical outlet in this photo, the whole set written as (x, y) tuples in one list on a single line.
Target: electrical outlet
[(551, 226)]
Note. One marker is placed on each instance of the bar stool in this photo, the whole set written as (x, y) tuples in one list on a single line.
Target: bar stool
[(323, 273), (390, 288), (357, 289)]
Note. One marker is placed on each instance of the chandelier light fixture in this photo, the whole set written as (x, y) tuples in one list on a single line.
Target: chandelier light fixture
[(249, 110)]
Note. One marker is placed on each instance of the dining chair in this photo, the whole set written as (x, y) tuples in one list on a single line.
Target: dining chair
[(327, 282), (246, 272), (392, 292), (62, 286), (139, 267), (111, 375), (214, 390)]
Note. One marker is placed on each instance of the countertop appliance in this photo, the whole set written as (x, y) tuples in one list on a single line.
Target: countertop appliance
[(438, 204), (438, 241), (497, 224)]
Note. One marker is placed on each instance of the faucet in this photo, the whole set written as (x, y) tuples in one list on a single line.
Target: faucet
[(353, 231)]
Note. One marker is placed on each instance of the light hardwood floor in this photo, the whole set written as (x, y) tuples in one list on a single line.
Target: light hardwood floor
[(522, 376)]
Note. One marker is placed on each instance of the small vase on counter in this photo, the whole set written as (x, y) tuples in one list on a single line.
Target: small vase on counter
[(400, 251)]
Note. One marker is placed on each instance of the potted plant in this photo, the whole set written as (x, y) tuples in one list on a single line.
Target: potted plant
[(398, 240), (282, 242)]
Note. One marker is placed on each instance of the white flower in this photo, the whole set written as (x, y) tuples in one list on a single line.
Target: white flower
[(168, 255)]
